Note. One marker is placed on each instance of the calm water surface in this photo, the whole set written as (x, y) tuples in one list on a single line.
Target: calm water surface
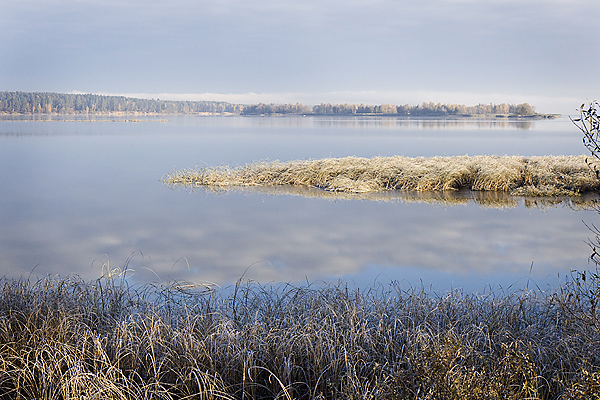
[(79, 197)]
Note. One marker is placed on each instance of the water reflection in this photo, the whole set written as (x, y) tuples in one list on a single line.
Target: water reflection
[(423, 124), (81, 118), (78, 196), (491, 199), (299, 121), (271, 237), (291, 238)]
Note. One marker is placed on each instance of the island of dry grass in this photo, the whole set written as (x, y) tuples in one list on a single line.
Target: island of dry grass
[(524, 176), (69, 339)]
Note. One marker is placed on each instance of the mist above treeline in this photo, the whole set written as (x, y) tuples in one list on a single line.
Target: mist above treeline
[(67, 103)]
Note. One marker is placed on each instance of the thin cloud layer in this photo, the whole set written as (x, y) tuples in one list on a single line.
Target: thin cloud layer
[(517, 48)]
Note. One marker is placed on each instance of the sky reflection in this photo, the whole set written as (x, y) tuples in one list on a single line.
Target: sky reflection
[(79, 198), (208, 237)]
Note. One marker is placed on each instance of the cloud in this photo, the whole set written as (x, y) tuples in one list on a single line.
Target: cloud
[(314, 47)]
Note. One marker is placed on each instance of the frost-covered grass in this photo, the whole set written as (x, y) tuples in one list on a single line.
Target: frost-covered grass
[(70, 339), (523, 176)]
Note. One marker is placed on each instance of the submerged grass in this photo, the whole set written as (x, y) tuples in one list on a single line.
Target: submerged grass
[(70, 339), (523, 176)]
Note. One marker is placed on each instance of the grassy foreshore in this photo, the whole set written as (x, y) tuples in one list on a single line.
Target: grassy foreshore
[(68, 339), (524, 176)]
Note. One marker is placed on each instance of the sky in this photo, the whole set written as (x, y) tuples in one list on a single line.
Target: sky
[(544, 52)]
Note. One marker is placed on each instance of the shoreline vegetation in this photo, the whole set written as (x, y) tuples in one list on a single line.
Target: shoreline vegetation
[(43, 103), (515, 175), (70, 339)]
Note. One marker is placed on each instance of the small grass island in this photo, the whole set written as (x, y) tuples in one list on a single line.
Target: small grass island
[(516, 175)]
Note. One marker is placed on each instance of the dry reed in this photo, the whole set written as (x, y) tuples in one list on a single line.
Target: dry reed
[(69, 339), (524, 176)]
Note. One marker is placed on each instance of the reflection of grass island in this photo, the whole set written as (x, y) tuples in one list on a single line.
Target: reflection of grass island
[(68, 339), (500, 200), (516, 175)]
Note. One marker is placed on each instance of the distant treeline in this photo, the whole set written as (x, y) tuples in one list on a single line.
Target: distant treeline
[(425, 109), (63, 103)]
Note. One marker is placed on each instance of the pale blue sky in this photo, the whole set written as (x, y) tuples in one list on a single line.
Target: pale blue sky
[(382, 51)]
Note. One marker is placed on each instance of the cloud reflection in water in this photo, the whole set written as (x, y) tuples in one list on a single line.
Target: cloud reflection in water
[(87, 194), (462, 240)]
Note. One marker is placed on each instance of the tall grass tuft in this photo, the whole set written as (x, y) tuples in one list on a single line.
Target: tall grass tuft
[(69, 339), (524, 176)]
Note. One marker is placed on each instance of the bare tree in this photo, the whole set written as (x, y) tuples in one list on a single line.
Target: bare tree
[(589, 123)]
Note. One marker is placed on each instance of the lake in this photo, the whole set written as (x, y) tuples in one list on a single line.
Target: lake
[(83, 195)]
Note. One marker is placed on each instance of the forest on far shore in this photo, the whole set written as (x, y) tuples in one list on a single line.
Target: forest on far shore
[(67, 103)]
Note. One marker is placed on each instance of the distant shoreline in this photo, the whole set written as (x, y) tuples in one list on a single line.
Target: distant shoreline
[(43, 103), (276, 115)]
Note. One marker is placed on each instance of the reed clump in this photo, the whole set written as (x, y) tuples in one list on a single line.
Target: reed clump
[(69, 339), (523, 176)]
